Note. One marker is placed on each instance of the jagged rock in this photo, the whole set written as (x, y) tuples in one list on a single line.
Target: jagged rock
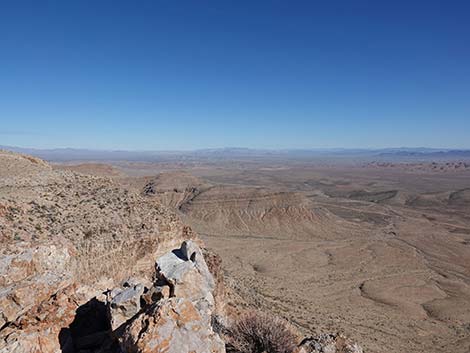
[(40, 269), (190, 251), (185, 270), (124, 303), (156, 293), (39, 331), (172, 325), (34, 278), (329, 343), (181, 323)]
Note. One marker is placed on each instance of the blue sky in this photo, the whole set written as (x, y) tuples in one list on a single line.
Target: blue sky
[(261, 74)]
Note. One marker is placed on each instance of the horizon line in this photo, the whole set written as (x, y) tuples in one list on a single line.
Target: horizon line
[(284, 149)]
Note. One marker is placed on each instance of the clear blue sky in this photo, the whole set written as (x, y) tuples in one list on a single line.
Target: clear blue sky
[(264, 74)]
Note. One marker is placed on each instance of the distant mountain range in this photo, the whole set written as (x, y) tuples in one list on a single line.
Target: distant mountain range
[(395, 154)]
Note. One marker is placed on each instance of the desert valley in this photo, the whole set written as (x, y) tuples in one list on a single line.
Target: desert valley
[(377, 251)]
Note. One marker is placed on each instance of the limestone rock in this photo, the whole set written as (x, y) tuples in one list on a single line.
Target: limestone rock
[(172, 325), (181, 323), (30, 275), (124, 303), (185, 270), (39, 331), (37, 295)]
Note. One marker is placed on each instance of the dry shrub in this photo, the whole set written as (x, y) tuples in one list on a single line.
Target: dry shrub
[(261, 333)]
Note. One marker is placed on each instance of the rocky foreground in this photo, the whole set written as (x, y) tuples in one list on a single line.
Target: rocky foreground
[(88, 267)]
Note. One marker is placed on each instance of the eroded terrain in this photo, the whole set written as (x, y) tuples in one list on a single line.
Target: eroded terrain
[(381, 253)]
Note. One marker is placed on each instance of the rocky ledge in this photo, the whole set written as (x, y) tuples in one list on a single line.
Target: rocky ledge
[(179, 310), (172, 312), (172, 315)]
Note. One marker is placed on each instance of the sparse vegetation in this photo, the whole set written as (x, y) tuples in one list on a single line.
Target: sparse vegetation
[(108, 240), (258, 332)]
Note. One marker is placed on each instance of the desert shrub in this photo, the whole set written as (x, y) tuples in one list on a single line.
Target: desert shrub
[(260, 333)]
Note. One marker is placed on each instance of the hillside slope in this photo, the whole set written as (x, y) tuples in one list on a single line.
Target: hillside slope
[(66, 237)]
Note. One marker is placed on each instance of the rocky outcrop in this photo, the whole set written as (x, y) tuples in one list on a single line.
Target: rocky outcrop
[(29, 275), (171, 314), (16, 164), (173, 325), (186, 272), (180, 322), (39, 330), (36, 296), (124, 303)]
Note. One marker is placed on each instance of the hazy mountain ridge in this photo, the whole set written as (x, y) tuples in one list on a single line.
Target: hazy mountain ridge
[(402, 153)]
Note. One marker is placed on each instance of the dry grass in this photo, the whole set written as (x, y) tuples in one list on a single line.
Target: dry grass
[(112, 231), (261, 333)]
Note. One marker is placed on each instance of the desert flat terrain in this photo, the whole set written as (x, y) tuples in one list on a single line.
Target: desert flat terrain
[(378, 251)]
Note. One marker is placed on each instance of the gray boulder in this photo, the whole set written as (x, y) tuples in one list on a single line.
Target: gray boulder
[(186, 271), (124, 303), (180, 307)]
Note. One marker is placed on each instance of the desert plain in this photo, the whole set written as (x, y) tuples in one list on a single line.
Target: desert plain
[(377, 250)]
